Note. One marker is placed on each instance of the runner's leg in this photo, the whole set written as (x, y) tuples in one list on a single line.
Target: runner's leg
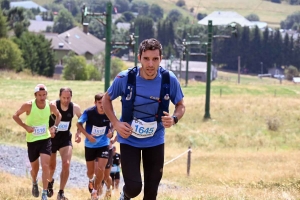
[(66, 154)]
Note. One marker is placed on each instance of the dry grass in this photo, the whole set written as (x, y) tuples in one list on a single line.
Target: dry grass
[(234, 155)]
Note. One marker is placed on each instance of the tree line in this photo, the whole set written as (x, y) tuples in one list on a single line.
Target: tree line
[(170, 29), (259, 50)]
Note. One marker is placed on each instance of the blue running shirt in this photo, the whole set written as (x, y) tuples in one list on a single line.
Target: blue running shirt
[(145, 88), (93, 119)]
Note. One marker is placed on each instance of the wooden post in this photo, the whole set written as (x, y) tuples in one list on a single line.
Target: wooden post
[(189, 161), (239, 69)]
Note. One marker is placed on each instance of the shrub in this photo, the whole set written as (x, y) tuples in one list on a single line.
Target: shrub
[(273, 123)]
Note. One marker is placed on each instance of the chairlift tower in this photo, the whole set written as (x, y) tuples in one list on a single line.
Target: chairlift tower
[(187, 51), (208, 60), (133, 38), (108, 18)]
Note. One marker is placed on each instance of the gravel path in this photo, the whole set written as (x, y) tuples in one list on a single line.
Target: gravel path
[(14, 160)]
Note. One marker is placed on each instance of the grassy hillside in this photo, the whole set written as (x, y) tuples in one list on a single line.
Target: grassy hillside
[(271, 13), (235, 155)]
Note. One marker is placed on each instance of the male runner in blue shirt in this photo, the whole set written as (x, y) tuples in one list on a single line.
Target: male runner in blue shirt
[(96, 143), (141, 129)]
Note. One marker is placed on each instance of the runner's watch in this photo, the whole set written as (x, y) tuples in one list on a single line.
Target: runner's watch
[(175, 119), (55, 127)]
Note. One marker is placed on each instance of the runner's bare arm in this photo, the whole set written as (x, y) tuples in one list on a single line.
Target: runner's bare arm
[(179, 110), (77, 112), (56, 112), (123, 128), (168, 119), (25, 108), (82, 130)]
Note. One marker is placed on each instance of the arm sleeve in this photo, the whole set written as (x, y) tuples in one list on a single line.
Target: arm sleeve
[(83, 118), (118, 86)]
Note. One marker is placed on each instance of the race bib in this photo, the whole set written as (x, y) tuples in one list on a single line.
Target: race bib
[(143, 129), (98, 131), (115, 169), (39, 130), (63, 126)]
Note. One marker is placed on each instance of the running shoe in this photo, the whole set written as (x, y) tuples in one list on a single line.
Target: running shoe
[(35, 190), (91, 186), (107, 195), (94, 196), (44, 196), (123, 197), (50, 188), (61, 196)]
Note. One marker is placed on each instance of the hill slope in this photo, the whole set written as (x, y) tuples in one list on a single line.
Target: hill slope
[(272, 13)]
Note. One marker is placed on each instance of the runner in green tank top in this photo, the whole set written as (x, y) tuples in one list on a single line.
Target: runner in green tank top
[(38, 134)]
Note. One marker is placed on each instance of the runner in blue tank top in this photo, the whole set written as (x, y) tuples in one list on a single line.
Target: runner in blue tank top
[(96, 143), (144, 133)]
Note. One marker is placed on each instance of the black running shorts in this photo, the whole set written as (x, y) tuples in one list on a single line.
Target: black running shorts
[(38, 147), (93, 153), (61, 141), (115, 176)]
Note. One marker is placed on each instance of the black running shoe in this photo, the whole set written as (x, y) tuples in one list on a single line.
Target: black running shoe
[(35, 190), (50, 188)]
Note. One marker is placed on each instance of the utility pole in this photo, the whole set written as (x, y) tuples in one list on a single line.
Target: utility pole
[(239, 69), (107, 45), (208, 71), (136, 38), (187, 58)]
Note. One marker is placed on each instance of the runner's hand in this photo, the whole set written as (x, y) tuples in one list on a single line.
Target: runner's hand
[(91, 139), (77, 138), (123, 128), (110, 134), (167, 120), (29, 129), (52, 132)]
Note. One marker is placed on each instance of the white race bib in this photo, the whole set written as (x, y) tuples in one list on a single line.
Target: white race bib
[(115, 169), (143, 129), (63, 126), (98, 131), (39, 130)]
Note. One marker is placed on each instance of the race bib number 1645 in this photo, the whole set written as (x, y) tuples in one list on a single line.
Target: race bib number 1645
[(143, 129)]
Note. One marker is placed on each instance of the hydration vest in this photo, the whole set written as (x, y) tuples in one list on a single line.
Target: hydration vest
[(130, 93)]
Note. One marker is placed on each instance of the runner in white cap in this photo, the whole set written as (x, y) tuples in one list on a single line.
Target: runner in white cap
[(38, 134)]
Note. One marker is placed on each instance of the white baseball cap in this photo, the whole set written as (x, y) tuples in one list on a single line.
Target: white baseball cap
[(40, 87)]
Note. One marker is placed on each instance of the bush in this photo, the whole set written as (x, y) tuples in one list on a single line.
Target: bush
[(291, 72), (252, 17), (273, 123), (180, 3), (276, 1), (117, 65), (201, 16), (92, 73), (75, 67)]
